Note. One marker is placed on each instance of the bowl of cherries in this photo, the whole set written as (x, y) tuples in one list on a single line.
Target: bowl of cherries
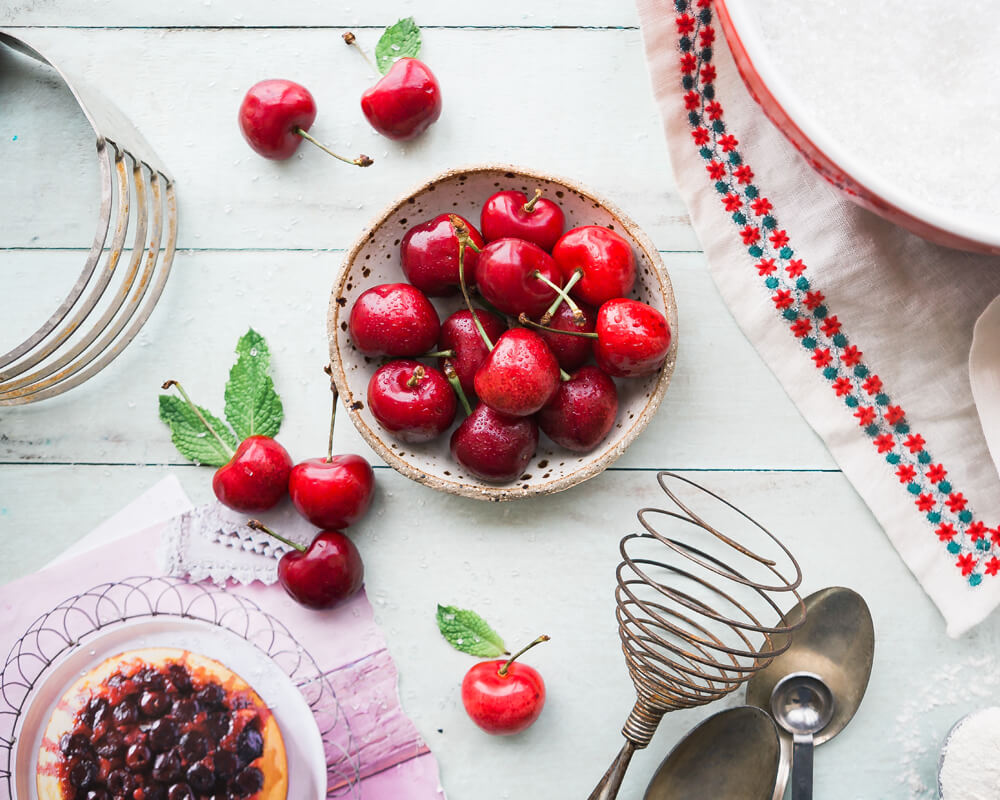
[(500, 333)]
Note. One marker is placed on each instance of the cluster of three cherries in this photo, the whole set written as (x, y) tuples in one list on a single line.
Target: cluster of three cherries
[(565, 294)]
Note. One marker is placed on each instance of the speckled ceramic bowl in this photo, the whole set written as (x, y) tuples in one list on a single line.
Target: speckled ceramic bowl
[(374, 259)]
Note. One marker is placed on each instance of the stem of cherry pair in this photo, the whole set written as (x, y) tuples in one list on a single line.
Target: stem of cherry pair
[(563, 294), (257, 525), (506, 667), (360, 161), (523, 319), (201, 417)]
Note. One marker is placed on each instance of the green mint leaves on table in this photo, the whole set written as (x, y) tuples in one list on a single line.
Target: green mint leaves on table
[(399, 41), (469, 633), (253, 408)]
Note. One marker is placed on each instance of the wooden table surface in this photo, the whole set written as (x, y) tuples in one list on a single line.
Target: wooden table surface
[(556, 86)]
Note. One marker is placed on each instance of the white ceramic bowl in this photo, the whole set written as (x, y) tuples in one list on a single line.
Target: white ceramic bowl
[(374, 260)]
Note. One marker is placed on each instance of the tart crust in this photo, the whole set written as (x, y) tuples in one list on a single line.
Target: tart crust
[(273, 762)]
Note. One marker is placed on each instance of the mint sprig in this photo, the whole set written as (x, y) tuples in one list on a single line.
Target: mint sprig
[(468, 632), (399, 41), (253, 407)]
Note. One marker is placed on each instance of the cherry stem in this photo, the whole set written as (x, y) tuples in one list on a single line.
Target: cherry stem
[(502, 672), (578, 316), (529, 207), (523, 319), (257, 525), (360, 161), (416, 377), (456, 384), (439, 354), (333, 414), (197, 412), (465, 240), (351, 39), (561, 292)]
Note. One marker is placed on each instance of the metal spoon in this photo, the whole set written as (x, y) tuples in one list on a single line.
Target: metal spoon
[(836, 642), (733, 754), (803, 705)]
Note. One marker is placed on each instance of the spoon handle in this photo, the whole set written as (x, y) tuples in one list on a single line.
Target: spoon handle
[(802, 767)]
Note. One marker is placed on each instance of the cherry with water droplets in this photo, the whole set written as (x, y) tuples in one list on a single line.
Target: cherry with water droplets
[(393, 319), (256, 477), (604, 259), (572, 352), (633, 338), (415, 403), (460, 336), (405, 102), (582, 412), (519, 375), (512, 214), (429, 255), (493, 446), (516, 276)]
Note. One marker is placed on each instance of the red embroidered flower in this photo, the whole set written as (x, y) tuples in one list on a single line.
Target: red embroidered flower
[(906, 473), (700, 136), (813, 299), (956, 502), (925, 502), (716, 170), (993, 566), (821, 357), (750, 235), (851, 355), (782, 298), (936, 473), (914, 442), (831, 326), (732, 202), (743, 174), (842, 386), (873, 384), (966, 563), (779, 239), (728, 142), (894, 414), (945, 531), (707, 73), (761, 206), (688, 62), (865, 415), (995, 535), (766, 266), (884, 443), (714, 110), (692, 100), (704, 3), (685, 24), (801, 327), (795, 267), (707, 36), (976, 531)]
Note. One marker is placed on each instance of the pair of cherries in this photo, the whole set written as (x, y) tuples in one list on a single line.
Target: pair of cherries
[(515, 373)]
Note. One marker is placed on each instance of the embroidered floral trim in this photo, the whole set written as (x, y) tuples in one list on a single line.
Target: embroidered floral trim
[(804, 309)]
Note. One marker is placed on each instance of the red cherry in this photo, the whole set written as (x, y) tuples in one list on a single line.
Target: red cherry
[(322, 575), (270, 114), (571, 352), (512, 214), (504, 697), (519, 375), (582, 412), (459, 334), (405, 102), (413, 402), (632, 338), (493, 446), (332, 492), (507, 274), (256, 477), (393, 319), (605, 258), (429, 255)]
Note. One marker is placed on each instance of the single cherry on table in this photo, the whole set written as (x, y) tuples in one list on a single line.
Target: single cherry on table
[(322, 575), (405, 102), (504, 697), (512, 214)]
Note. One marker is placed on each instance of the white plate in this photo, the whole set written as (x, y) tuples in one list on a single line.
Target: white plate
[(303, 743)]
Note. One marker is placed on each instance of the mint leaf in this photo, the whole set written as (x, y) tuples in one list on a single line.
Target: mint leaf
[(253, 408), (189, 435), (468, 632), (399, 40)]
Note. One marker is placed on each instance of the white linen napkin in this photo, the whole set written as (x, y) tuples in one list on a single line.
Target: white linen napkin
[(867, 326)]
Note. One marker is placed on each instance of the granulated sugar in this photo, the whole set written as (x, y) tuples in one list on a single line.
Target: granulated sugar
[(971, 766), (906, 87)]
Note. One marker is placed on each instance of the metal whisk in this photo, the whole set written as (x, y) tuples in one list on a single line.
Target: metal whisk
[(696, 610)]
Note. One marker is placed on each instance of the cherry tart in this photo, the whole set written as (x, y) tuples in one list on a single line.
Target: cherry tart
[(161, 724)]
